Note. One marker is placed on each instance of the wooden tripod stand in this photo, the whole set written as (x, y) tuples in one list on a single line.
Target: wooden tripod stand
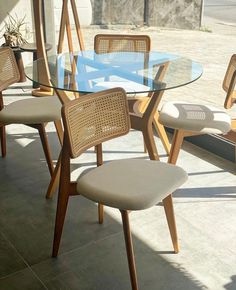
[(40, 41)]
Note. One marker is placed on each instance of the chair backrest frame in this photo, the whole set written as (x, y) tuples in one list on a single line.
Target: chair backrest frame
[(229, 83), (9, 73), (106, 43), (95, 118)]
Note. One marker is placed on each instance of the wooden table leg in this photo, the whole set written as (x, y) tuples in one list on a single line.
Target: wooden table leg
[(144, 124)]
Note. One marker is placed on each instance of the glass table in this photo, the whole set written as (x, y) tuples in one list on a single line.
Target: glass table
[(144, 76), (140, 74)]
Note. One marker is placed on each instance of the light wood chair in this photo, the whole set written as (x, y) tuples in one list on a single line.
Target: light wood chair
[(33, 112), (128, 184), (107, 43), (195, 119)]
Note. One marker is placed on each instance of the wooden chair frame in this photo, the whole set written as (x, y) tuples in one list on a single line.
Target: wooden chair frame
[(40, 127), (228, 85), (67, 188)]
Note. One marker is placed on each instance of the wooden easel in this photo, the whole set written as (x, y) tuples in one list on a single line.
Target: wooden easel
[(40, 41), (65, 25)]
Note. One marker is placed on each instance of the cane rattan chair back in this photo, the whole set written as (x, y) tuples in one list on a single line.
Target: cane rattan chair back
[(114, 43), (106, 43), (230, 82), (96, 118), (9, 73)]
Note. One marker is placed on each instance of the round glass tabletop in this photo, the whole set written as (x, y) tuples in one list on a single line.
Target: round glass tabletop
[(88, 72)]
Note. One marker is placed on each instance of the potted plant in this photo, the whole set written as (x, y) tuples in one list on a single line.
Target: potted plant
[(12, 31), (14, 39)]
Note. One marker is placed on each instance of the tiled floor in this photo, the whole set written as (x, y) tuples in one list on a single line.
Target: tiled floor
[(92, 256)]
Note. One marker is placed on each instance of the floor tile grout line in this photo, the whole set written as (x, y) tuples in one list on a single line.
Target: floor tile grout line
[(25, 262)]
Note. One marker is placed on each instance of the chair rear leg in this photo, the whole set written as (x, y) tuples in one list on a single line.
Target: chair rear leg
[(3, 140), (161, 133), (177, 142), (54, 182), (59, 129), (44, 140), (150, 144), (99, 155), (129, 249)]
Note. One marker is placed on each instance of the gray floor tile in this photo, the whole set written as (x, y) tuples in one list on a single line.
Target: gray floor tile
[(23, 280), (10, 260), (103, 265)]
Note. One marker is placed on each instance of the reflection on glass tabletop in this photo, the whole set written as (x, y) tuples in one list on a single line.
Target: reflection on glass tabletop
[(88, 72)]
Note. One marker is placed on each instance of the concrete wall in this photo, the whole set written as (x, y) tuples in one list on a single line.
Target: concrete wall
[(167, 13), (175, 13), (21, 8), (118, 12)]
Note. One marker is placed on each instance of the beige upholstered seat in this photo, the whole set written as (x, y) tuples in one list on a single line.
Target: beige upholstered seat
[(129, 184), (31, 111), (195, 117)]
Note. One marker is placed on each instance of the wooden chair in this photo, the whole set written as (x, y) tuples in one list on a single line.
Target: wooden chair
[(196, 119), (128, 184), (107, 43), (33, 112)]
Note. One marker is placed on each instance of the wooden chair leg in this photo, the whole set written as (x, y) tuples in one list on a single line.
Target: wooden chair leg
[(59, 129), (176, 146), (99, 155), (100, 213), (144, 146), (129, 249), (44, 140), (63, 197), (161, 133), (150, 144), (170, 216), (54, 182), (168, 202), (3, 140)]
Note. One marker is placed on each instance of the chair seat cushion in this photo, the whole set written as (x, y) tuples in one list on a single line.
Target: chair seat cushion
[(31, 111), (131, 184), (195, 117)]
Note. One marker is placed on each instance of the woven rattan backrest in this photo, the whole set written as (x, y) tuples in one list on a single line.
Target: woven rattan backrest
[(106, 43), (230, 82), (9, 73), (95, 118)]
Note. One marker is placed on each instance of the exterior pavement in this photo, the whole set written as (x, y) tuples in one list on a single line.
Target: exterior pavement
[(92, 256)]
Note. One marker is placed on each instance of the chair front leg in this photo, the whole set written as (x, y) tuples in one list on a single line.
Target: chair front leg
[(3, 140), (63, 197), (129, 249), (170, 216)]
